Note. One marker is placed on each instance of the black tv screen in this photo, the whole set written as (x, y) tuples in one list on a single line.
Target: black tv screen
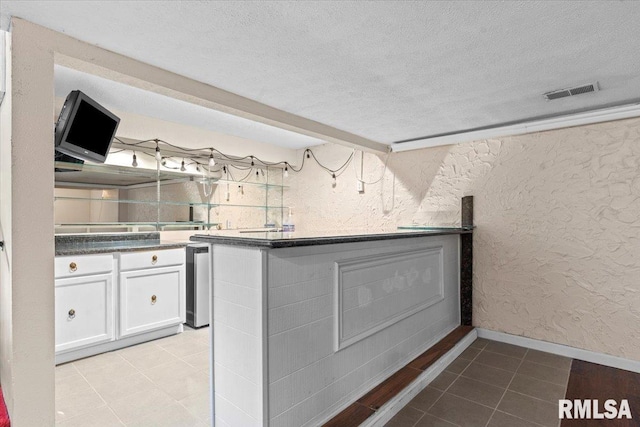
[(85, 129)]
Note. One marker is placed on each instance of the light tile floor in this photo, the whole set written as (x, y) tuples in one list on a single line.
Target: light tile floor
[(159, 383), (492, 384)]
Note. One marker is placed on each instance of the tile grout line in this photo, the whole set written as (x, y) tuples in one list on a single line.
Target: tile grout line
[(524, 394), (514, 416), (180, 401), (507, 388), (201, 420), (549, 366), (442, 392), (532, 397), (138, 371), (514, 373), (98, 394), (449, 386), (505, 355), (566, 387), (524, 375), (442, 419), (116, 415), (418, 420), (431, 415)]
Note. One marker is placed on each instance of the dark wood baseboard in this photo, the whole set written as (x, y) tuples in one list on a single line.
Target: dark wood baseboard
[(367, 405)]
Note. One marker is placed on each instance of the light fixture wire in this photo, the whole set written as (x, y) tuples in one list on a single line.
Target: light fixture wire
[(199, 153)]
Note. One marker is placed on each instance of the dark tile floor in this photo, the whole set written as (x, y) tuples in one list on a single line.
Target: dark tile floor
[(593, 381), (492, 384)]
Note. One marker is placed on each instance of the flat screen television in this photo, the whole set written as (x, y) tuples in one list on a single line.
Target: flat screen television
[(85, 128)]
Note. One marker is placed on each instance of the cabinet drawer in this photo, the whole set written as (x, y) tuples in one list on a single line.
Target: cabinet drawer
[(151, 259), (82, 265), (83, 311), (151, 299)]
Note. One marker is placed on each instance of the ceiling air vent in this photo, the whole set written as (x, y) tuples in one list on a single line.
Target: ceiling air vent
[(572, 91)]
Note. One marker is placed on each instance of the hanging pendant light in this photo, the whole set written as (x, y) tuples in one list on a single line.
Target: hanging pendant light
[(158, 155)]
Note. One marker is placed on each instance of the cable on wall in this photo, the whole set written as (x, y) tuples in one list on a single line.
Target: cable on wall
[(208, 159), (355, 170)]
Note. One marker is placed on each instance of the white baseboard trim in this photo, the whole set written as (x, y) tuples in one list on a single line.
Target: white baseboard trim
[(92, 350), (562, 350), (393, 406)]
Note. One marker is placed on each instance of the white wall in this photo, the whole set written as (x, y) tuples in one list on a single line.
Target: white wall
[(558, 231), (26, 310), (6, 342)]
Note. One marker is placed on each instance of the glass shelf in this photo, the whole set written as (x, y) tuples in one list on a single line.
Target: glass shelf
[(166, 202), (221, 205), (101, 175), (142, 202), (258, 184), (426, 227), (143, 195), (114, 176), (135, 226)]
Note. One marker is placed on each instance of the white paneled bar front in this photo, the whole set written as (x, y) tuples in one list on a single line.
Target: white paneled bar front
[(300, 332)]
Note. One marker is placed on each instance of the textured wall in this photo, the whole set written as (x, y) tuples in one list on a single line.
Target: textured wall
[(558, 224)]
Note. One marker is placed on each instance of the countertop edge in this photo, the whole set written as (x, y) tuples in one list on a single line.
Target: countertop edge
[(106, 250), (314, 241)]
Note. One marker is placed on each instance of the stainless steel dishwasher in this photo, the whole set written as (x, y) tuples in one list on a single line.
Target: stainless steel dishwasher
[(198, 300)]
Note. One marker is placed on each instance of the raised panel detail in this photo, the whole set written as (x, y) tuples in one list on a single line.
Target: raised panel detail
[(151, 299), (372, 293), (83, 311)]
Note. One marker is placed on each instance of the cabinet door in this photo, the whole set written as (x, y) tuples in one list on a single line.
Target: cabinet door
[(151, 299), (83, 311)]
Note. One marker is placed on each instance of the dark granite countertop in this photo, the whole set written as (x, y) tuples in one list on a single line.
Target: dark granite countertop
[(273, 240), (100, 243)]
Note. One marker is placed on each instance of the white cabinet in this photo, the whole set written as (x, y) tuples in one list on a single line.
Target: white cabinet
[(84, 311), (152, 290), (109, 301), (151, 299), (84, 301)]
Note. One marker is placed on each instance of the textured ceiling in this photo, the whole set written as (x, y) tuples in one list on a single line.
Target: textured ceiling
[(119, 96), (387, 71)]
